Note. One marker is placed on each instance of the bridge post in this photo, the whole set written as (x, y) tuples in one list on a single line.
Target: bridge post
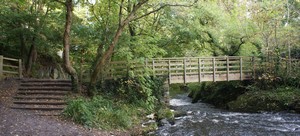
[(254, 67), (169, 71), (199, 69), (227, 67), (1, 67), (184, 70), (153, 67), (214, 69), (241, 68)]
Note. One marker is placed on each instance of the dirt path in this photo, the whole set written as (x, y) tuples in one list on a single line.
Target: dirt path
[(15, 122)]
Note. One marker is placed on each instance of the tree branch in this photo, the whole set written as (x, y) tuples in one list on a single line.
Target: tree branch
[(120, 12), (60, 2), (242, 41), (130, 17), (94, 14), (162, 7)]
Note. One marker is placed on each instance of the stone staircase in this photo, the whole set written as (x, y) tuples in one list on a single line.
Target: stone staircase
[(44, 96)]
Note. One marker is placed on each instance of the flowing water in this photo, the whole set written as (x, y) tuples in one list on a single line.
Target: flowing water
[(204, 120)]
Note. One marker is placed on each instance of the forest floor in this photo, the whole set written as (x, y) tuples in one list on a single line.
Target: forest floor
[(15, 122)]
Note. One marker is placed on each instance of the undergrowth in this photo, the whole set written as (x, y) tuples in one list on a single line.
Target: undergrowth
[(119, 104), (101, 112)]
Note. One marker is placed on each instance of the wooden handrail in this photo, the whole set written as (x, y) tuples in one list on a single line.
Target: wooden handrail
[(10, 69)]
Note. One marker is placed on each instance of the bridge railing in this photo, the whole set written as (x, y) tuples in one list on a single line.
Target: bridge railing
[(185, 70), (10, 67)]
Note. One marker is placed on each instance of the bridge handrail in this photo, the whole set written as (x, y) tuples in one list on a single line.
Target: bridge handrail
[(12, 68)]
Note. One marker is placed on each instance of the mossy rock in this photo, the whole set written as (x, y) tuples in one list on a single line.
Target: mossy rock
[(165, 114)]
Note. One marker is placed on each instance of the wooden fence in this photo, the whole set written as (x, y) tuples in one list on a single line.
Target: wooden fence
[(10, 67), (188, 70)]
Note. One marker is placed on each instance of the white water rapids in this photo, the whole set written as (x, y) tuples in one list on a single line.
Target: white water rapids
[(205, 120)]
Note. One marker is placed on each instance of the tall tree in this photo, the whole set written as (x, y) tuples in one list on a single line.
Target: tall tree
[(66, 41), (132, 15)]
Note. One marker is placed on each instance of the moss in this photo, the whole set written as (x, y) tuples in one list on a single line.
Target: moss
[(281, 99), (165, 114)]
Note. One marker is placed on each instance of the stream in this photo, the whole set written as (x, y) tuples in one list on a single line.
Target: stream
[(204, 120)]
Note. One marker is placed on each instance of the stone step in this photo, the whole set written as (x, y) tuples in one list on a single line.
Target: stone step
[(45, 97), (44, 92), (41, 107), (45, 84), (46, 88), (39, 97), (40, 102), (45, 80)]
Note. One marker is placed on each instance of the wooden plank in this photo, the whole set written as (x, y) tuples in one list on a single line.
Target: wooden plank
[(10, 66), (10, 59), (10, 72), (161, 69)]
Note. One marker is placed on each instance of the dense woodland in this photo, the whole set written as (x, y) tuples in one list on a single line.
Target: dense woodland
[(91, 33)]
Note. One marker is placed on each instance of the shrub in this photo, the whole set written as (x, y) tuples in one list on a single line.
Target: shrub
[(144, 90), (121, 104)]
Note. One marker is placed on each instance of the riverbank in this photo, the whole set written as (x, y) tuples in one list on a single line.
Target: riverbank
[(248, 96)]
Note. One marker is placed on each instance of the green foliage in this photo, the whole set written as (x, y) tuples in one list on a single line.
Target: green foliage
[(101, 113), (283, 98), (143, 90)]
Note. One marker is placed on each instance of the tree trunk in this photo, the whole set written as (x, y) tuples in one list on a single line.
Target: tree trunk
[(66, 41), (23, 51), (31, 58), (101, 62)]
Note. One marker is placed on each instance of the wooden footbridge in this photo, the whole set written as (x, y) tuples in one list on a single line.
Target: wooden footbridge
[(198, 69), (189, 70)]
